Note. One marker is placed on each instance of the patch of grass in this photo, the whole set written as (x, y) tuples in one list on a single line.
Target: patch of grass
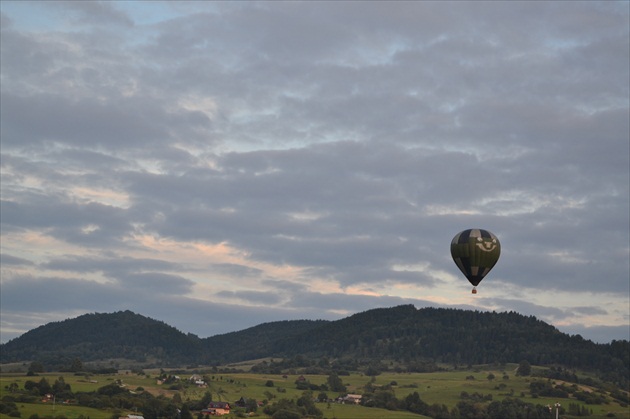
[(344, 411), (444, 387), (69, 411)]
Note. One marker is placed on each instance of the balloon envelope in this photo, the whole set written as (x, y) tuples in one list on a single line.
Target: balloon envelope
[(475, 252)]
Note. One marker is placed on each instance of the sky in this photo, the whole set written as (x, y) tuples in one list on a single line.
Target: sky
[(218, 165)]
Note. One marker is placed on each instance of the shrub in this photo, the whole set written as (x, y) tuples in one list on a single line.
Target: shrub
[(286, 414), (7, 407)]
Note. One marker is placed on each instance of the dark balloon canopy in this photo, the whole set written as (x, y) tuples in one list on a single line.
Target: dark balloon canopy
[(475, 252)]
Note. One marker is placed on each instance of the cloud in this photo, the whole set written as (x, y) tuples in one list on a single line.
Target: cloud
[(55, 294), (96, 13), (87, 122), (111, 265), (302, 160), (12, 260), (252, 297)]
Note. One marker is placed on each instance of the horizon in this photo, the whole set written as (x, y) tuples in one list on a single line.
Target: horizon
[(276, 321)]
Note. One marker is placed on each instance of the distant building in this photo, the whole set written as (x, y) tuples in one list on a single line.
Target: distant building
[(217, 409), (197, 380), (351, 399)]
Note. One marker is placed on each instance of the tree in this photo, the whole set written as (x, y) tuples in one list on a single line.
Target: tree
[(438, 411), (77, 365), (322, 397), (251, 405), (9, 408), (414, 403), (44, 386), (335, 384), (524, 368), (185, 412), (35, 368), (13, 387), (61, 389), (470, 410), (206, 399), (177, 398), (289, 409), (286, 414), (111, 390), (306, 403)]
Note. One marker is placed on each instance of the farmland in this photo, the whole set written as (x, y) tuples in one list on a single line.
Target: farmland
[(480, 384)]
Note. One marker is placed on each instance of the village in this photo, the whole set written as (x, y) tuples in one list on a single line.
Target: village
[(220, 408)]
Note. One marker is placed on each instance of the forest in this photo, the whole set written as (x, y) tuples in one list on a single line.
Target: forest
[(414, 340)]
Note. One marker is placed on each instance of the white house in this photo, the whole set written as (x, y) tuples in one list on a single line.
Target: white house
[(351, 399)]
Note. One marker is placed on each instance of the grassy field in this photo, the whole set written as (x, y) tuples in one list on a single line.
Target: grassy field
[(69, 411), (439, 387)]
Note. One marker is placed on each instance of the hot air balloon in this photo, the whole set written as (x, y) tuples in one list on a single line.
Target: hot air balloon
[(475, 252)]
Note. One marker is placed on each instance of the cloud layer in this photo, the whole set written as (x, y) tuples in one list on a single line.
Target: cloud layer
[(219, 165)]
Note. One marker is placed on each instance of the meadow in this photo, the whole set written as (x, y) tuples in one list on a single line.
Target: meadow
[(437, 387)]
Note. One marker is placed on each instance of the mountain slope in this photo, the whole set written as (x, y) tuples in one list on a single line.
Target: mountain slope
[(407, 334), (258, 341), (404, 334), (90, 337)]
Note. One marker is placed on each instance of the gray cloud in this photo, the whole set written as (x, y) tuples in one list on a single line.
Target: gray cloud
[(155, 283), (54, 294), (120, 122), (112, 265), (252, 297), (6, 259), (274, 154)]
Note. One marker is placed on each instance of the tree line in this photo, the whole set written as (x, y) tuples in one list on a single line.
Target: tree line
[(417, 339)]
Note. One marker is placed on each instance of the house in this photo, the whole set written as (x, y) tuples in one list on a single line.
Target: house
[(198, 381), (217, 409), (351, 399)]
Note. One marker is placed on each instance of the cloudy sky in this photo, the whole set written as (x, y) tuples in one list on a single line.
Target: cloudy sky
[(220, 165)]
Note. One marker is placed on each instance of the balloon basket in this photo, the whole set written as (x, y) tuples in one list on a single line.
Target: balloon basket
[(474, 290)]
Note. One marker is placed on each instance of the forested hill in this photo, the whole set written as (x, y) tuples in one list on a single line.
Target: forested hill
[(417, 336), (404, 334), (90, 337)]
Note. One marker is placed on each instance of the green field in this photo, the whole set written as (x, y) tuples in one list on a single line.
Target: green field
[(69, 411), (439, 387)]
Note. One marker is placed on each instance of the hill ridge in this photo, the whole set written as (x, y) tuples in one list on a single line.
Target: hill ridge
[(405, 334)]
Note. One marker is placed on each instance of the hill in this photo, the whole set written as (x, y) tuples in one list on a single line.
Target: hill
[(126, 335), (97, 336), (409, 336)]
